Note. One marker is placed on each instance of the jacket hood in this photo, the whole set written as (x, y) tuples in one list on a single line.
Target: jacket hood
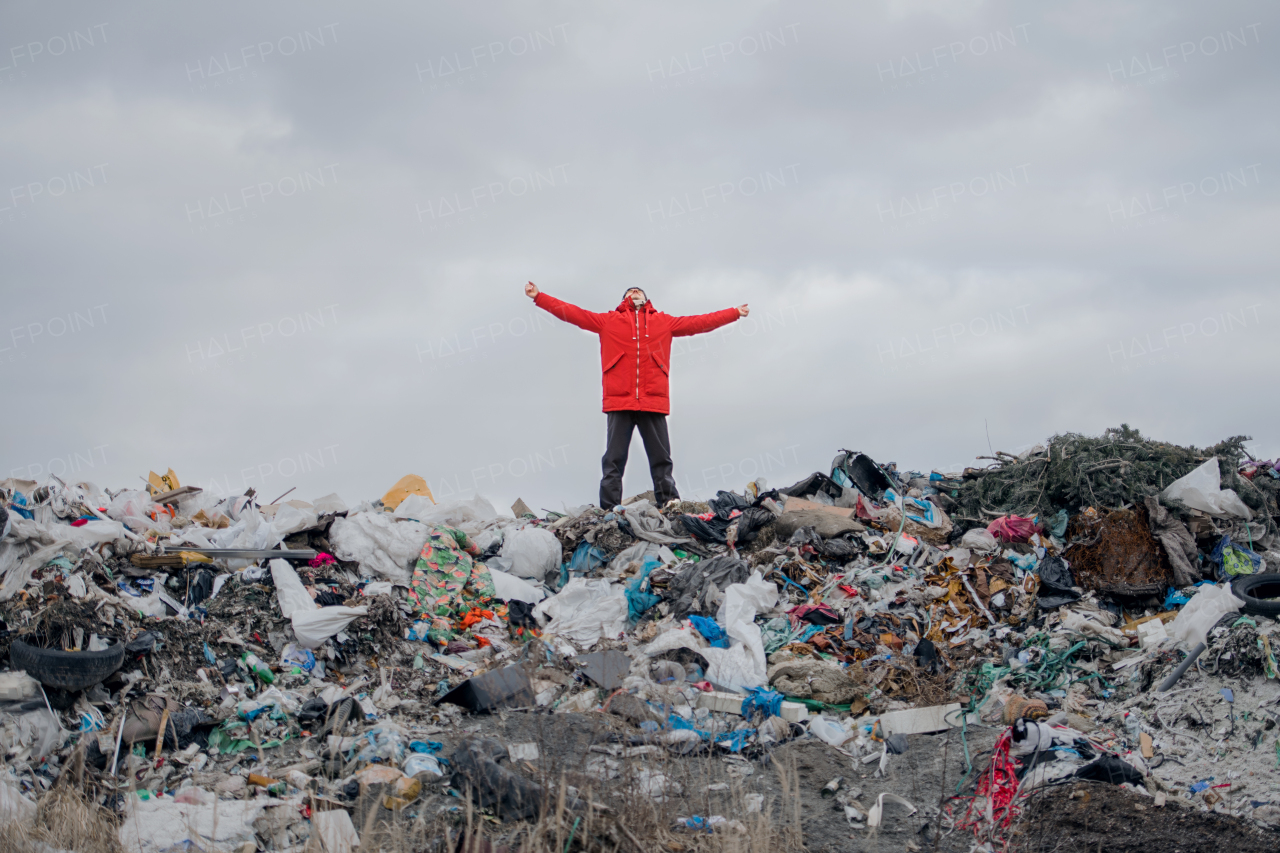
[(625, 306)]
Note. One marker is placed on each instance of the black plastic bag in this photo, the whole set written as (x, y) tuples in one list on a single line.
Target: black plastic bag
[(840, 549), (476, 769), (144, 643), (520, 614), (1109, 768), (687, 590), (751, 517), (815, 482), (926, 655), (201, 588), (1055, 584), (326, 598)]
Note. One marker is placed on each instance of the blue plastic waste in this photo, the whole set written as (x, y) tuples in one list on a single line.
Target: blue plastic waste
[(1233, 559), (761, 700), (712, 631)]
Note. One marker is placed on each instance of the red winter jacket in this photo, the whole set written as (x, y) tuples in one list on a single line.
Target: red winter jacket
[(635, 348)]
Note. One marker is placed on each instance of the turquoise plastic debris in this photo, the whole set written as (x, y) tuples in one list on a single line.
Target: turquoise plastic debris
[(427, 747), (638, 601), (585, 560), (733, 741), (1059, 526)]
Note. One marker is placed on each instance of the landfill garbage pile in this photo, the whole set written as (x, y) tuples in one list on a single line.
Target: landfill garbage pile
[(853, 660)]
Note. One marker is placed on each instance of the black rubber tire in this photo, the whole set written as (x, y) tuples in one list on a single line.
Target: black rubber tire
[(66, 670), (1260, 593)]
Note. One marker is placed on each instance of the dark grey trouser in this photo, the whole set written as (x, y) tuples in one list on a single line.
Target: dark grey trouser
[(657, 445)]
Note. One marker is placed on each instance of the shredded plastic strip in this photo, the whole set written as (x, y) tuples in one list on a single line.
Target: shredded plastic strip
[(995, 796)]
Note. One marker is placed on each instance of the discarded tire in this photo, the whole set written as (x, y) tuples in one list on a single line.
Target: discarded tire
[(66, 670), (1260, 593)]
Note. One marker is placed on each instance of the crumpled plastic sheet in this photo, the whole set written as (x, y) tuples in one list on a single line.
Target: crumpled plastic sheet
[(15, 809), (1202, 490), (290, 593), (650, 525), (640, 551), (639, 599), (533, 552), (1178, 543), (162, 824), (30, 724), (290, 519), (1207, 606), (476, 769), (743, 664), (465, 513), (1012, 528), (508, 587), (742, 601), (380, 544), (313, 627), (30, 545), (689, 589), (584, 611)]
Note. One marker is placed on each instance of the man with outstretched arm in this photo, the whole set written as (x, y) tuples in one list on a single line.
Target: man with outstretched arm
[(635, 354)]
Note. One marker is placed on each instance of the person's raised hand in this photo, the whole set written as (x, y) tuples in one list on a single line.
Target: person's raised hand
[(531, 290), (743, 310)]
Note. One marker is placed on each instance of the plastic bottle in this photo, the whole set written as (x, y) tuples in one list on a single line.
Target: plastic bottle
[(257, 667), (1133, 727)]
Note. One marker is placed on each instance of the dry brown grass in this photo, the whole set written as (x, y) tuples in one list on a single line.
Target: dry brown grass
[(614, 816), (66, 819)]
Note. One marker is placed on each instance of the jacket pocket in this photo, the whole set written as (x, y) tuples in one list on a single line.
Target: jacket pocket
[(615, 377), (655, 377)]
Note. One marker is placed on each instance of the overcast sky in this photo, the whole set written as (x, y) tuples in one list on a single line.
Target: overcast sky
[(284, 244)]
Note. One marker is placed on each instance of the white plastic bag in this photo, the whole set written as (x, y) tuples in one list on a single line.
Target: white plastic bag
[(978, 539), (15, 809), (1201, 613), (584, 611), (290, 593), (737, 614), (329, 504), (290, 519), (734, 668), (509, 587), (160, 824), (131, 507), (875, 814), (414, 506), (828, 730), (1202, 490), (313, 627), (379, 543), (731, 668), (532, 551), (1078, 623), (337, 832), (250, 532), (452, 513)]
